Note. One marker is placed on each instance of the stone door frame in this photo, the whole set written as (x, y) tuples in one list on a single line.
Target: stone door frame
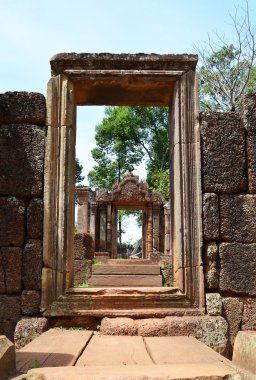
[(75, 81)]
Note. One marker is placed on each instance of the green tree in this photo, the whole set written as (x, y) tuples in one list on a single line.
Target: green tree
[(79, 169), (126, 137), (227, 69)]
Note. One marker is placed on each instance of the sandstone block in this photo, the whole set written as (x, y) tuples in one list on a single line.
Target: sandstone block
[(249, 314), (210, 217), (32, 265), (12, 221), (83, 247), (152, 327), (82, 271), (210, 330), (232, 312), (11, 261), (245, 351), (21, 171), (7, 357), (7, 327), (249, 119), (28, 329), (22, 107), (118, 326), (9, 307), (30, 302), (213, 304), (238, 268), (210, 254), (223, 153), (238, 218), (35, 218)]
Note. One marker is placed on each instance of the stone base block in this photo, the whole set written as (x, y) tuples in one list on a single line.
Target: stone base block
[(7, 357), (28, 329)]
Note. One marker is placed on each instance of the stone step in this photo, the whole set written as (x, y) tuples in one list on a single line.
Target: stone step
[(137, 358), (129, 262), (125, 280), (115, 269)]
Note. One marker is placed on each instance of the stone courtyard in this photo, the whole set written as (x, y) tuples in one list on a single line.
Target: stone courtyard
[(196, 277)]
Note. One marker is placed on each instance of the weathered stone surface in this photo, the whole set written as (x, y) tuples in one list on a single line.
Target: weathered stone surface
[(2, 275), (82, 271), (238, 218), (152, 327), (238, 268), (7, 357), (210, 217), (7, 327), (32, 265), (83, 247), (118, 326), (21, 171), (11, 261), (245, 351), (30, 302), (35, 218), (211, 270), (232, 312), (28, 329), (249, 314), (248, 112), (9, 307), (210, 330), (22, 107), (12, 221), (213, 304), (223, 153)]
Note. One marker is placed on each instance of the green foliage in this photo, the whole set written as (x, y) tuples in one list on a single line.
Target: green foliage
[(126, 137), (37, 364), (227, 68), (79, 169), (85, 284)]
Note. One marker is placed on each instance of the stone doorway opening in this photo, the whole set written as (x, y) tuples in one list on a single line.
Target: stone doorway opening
[(108, 79)]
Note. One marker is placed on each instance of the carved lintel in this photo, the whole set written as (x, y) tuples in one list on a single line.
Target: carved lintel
[(130, 190), (102, 195)]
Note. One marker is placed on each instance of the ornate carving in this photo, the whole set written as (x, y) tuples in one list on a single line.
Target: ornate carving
[(157, 199), (102, 195), (130, 190)]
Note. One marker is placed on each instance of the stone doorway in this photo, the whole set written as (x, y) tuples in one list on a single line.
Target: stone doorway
[(139, 80)]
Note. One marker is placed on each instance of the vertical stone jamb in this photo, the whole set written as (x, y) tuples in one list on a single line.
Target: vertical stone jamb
[(82, 209), (93, 211)]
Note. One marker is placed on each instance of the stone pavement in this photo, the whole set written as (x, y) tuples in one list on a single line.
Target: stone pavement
[(80, 354)]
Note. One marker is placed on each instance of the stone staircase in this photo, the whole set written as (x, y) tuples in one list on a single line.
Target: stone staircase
[(126, 273)]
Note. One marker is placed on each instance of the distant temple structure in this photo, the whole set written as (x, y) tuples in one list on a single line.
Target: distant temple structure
[(97, 215)]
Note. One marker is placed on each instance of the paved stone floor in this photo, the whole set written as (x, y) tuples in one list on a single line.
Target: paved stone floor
[(77, 355)]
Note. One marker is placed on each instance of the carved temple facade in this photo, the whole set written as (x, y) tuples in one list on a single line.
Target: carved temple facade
[(97, 215)]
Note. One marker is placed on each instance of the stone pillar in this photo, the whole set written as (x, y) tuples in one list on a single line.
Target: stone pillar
[(82, 217), (109, 228), (103, 228), (93, 211), (167, 228), (149, 233), (156, 224)]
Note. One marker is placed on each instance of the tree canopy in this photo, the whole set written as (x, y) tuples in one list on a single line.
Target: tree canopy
[(126, 137), (227, 68)]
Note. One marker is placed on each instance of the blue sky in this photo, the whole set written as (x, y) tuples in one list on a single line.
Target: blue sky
[(32, 31)]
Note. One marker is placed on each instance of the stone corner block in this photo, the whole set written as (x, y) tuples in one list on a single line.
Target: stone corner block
[(7, 357), (213, 304), (244, 353), (22, 107), (27, 329), (223, 144)]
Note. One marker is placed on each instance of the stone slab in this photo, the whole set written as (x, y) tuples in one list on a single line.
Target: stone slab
[(125, 269), (107, 350), (148, 372), (7, 357), (125, 280), (180, 349), (244, 354), (53, 348)]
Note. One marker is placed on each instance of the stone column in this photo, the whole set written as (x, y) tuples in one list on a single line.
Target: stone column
[(93, 211), (103, 228), (109, 228), (167, 228), (82, 216), (149, 233), (156, 223)]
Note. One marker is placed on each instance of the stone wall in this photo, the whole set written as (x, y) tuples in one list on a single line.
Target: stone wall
[(22, 144), (229, 212)]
